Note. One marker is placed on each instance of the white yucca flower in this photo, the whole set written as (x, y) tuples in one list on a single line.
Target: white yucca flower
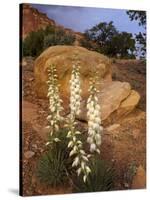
[(80, 157), (94, 118), (75, 91), (54, 118)]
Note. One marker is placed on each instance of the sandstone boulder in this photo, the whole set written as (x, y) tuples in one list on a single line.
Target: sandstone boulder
[(110, 98), (116, 98), (63, 58), (129, 103), (112, 127)]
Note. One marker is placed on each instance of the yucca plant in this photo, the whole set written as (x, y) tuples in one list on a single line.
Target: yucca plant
[(66, 154), (54, 166), (94, 117), (54, 117), (80, 157), (101, 178)]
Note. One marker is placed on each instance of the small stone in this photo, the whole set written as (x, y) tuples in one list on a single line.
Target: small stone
[(34, 146), (136, 133), (34, 180), (139, 180), (31, 79), (24, 63), (41, 150), (29, 154), (41, 111), (126, 185)]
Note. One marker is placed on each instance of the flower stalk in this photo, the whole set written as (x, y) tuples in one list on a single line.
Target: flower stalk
[(75, 91), (94, 118), (80, 158), (54, 118)]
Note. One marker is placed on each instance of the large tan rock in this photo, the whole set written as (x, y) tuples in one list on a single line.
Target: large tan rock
[(110, 98), (129, 103), (116, 98), (62, 57)]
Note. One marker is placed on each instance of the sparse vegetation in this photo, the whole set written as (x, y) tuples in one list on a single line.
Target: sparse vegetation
[(106, 39), (101, 179), (39, 40), (52, 168), (54, 165), (140, 17)]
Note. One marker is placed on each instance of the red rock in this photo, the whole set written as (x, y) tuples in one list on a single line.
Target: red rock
[(29, 111), (139, 180), (129, 103), (29, 154), (34, 20)]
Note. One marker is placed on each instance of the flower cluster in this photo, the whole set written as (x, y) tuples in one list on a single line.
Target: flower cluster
[(75, 91), (80, 160), (54, 118), (94, 120)]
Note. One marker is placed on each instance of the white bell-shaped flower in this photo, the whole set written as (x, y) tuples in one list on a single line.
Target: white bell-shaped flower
[(94, 119), (54, 118), (81, 160)]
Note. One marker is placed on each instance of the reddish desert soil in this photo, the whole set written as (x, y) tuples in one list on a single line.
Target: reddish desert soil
[(124, 143)]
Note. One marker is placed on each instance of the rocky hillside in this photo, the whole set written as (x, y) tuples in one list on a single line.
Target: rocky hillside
[(123, 140), (33, 20)]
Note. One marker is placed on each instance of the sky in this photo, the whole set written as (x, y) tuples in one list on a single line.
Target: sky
[(82, 18)]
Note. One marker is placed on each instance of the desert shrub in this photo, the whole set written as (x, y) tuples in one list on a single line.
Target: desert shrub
[(59, 38), (54, 166), (101, 177), (130, 172), (140, 17), (52, 169), (37, 41), (106, 39), (33, 43), (86, 43)]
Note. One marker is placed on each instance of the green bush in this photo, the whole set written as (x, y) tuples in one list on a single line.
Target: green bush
[(52, 169), (101, 177), (106, 39), (37, 41), (55, 168), (59, 38), (33, 43)]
